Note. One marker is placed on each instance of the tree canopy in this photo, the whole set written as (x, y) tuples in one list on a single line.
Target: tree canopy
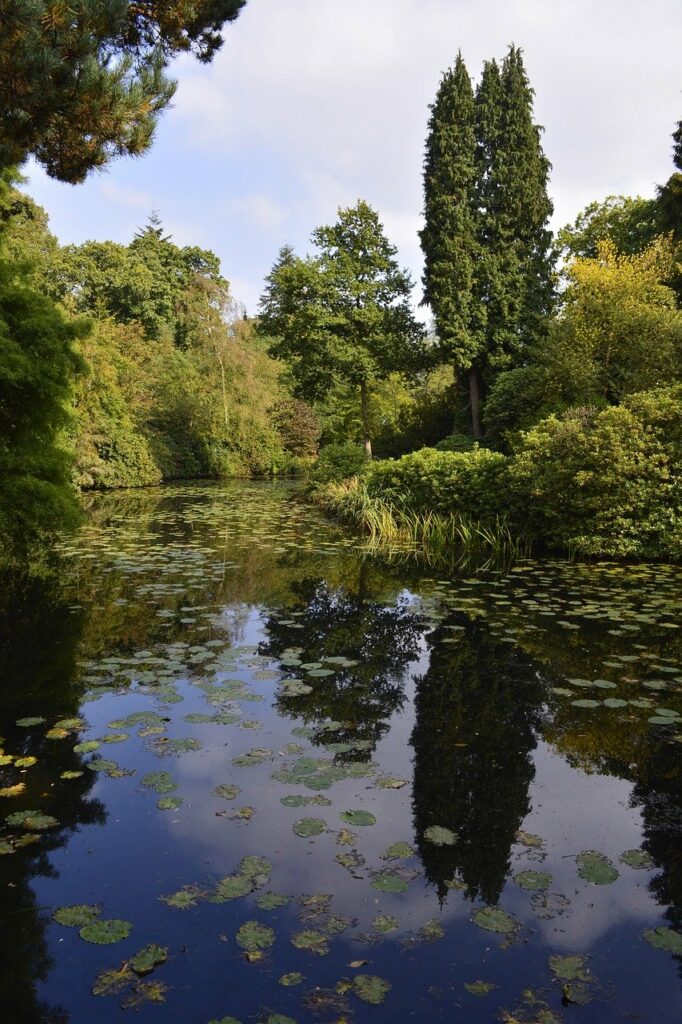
[(344, 315), (85, 82)]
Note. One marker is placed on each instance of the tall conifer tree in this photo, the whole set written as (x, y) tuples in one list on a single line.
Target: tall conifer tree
[(488, 271)]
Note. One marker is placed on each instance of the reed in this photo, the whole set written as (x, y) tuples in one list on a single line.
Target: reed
[(450, 540)]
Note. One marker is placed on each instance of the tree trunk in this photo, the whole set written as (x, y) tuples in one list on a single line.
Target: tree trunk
[(364, 408), (474, 398)]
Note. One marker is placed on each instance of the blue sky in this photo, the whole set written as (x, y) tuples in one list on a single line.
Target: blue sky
[(313, 104)]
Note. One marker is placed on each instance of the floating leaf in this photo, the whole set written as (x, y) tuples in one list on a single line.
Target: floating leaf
[(109, 982), (226, 791), (15, 790), (533, 880), (312, 941), (104, 932), (387, 882), (233, 887), (594, 867), (370, 988), (398, 851), (529, 839), (293, 978), (358, 817), (160, 782), (440, 836), (479, 988), (572, 967), (306, 827), (389, 783), (34, 821), (146, 992), (26, 723), (664, 938), (272, 901), (253, 935), (183, 899), (639, 859), (385, 923), (148, 958), (76, 915), (169, 803), (494, 919), (431, 931)]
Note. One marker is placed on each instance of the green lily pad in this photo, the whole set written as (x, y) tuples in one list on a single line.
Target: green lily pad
[(253, 935), (479, 988), (572, 967), (113, 980), (431, 931), (370, 988), (390, 783), (160, 782), (390, 883), (664, 938), (306, 827), (272, 901), (398, 851), (293, 978), (586, 703), (77, 915), (494, 919), (385, 923), (311, 940), (257, 755), (86, 747), (232, 887), (358, 817), (529, 840), (26, 723), (183, 899), (148, 958), (169, 803), (440, 836), (34, 821), (255, 867), (639, 859), (594, 867), (226, 791), (533, 880), (104, 932)]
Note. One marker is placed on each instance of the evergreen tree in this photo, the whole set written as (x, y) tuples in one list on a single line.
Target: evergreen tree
[(343, 317), (448, 237), (488, 264), (84, 82)]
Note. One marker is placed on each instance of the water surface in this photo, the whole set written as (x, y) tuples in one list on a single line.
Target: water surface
[(459, 799)]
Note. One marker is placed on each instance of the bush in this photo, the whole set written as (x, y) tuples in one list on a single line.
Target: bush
[(338, 462), (455, 443), (605, 483), (445, 482)]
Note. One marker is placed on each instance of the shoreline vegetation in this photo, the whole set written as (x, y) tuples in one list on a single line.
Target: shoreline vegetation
[(542, 409)]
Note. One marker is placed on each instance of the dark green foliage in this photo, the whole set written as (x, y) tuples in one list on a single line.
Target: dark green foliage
[(338, 462), (37, 365), (342, 317), (441, 481), (297, 425), (488, 264), (631, 224), (606, 483), (82, 84)]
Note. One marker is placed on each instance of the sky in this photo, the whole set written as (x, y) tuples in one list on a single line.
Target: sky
[(313, 104)]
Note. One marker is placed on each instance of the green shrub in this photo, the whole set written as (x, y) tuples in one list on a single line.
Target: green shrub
[(455, 443), (337, 462), (605, 483), (461, 483)]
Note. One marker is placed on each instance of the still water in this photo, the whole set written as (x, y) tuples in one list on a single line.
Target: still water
[(252, 773)]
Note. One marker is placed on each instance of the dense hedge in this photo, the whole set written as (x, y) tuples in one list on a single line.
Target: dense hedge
[(437, 481), (596, 482)]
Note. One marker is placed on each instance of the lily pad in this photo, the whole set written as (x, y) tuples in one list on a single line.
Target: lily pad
[(358, 817), (104, 932), (293, 978), (664, 938), (312, 941), (385, 923), (169, 803), (370, 988), (76, 915), (572, 967), (272, 901), (440, 836), (479, 988), (387, 882), (306, 827), (160, 782), (253, 935), (594, 867), (232, 887), (34, 821), (26, 723), (398, 851), (148, 958), (226, 791), (390, 783), (494, 919), (639, 859), (533, 880)]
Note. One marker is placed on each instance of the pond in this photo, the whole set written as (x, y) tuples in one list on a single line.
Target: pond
[(251, 772)]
